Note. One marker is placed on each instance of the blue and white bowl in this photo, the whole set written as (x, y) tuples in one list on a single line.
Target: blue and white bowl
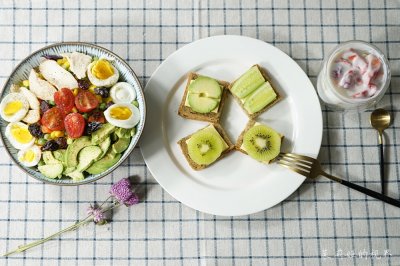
[(21, 72)]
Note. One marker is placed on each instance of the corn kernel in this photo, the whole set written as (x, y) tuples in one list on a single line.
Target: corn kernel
[(57, 134), (75, 91), (74, 110), (107, 100), (62, 61), (25, 83), (66, 65), (91, 88), (99, 98)]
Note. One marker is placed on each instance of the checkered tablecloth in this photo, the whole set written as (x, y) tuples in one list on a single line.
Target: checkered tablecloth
[(322, 223)]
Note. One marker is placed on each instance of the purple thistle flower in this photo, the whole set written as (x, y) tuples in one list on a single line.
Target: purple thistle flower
[(98, 215), (122, 191)]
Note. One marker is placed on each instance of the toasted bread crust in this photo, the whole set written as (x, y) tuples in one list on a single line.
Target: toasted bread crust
[(194, 165), (187, 112), (256, 114)]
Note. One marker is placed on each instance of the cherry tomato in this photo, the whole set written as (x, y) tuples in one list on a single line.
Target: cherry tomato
[(85, 101), (53, 119), (97, 116), (74, 125), (64, 100), (45, 130)]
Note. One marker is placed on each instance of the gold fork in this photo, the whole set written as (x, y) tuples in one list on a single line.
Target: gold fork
[(311, 168)]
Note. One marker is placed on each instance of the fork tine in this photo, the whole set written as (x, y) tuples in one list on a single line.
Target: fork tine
[(297, 170), (299, 157), (286, 157), (296, 163)]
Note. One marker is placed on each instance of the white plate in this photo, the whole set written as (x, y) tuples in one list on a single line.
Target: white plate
[(237, 184)]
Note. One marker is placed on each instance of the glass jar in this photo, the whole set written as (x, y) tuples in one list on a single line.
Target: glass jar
[(341, 91)]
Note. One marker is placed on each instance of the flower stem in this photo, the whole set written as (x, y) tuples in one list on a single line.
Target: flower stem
[(75, 226), (41, 241)]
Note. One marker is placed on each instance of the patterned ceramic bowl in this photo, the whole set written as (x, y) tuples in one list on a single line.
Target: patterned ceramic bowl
[(21, 72)]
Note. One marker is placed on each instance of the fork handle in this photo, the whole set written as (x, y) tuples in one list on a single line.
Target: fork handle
[(364, 190)]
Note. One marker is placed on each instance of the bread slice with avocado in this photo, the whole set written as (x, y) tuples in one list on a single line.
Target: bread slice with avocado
[(205, 146), (203, 98), (254, 91)]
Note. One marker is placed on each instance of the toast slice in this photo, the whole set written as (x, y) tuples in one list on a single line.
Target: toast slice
[(239, 142), (241, 103), (212, 117), (182, 143)]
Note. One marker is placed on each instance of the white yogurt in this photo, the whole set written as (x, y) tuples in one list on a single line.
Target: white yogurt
[(355, 76)]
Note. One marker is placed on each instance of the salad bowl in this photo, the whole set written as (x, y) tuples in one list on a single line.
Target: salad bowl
[(22, 72)]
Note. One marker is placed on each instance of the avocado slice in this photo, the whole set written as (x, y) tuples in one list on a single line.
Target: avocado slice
[(104, 164), (102, 133), (87, 156), (104, 146), (51, 170), (60, 155), (68, 170), (76, 175), (71, 156), (121, 145), (48, 158), (125, 132)]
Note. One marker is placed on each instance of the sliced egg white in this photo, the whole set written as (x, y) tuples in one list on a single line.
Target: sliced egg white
[(19, 136), (123, 92), (108, 82), (122, 115), (30, 156), (14, 107)]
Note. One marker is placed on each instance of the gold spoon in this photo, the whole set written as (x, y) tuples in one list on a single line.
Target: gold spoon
[(380, 120)]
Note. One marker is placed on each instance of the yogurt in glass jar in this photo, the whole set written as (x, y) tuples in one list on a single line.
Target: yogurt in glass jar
[(355, 76)]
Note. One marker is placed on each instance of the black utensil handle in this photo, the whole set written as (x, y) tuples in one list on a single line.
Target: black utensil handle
[(364, 190), (382, 167)]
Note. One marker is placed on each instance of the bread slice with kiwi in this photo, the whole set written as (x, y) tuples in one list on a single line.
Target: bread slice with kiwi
[(183, 143), (239, 143), (267, 80), (187, 112)]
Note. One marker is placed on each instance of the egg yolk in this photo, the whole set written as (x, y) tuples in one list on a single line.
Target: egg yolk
[(21, 135), (29, 156), (12, 107), (102, 69), (120, 113)]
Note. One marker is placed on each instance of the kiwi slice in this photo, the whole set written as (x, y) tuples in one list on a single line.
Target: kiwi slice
[(201, 104), (206, 87), (262, 143), (248, 82), (204, 147), (260, 98)]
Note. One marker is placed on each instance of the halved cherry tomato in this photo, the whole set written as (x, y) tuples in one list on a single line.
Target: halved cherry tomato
[(45, 130), (64, 100), (74, 125), (85, 101), (97, 116), (53, 119)]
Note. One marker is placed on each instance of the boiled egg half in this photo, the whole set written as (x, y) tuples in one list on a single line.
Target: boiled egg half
[(30, 157), (19, 136), (14, 107), (123, 92), (102, 73), (122, 115)]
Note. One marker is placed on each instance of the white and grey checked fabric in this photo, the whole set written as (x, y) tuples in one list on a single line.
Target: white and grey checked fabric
[(320, 224)]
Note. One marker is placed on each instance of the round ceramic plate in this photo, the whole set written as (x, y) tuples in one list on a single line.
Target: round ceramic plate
[(237, 184), (21, 72)]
